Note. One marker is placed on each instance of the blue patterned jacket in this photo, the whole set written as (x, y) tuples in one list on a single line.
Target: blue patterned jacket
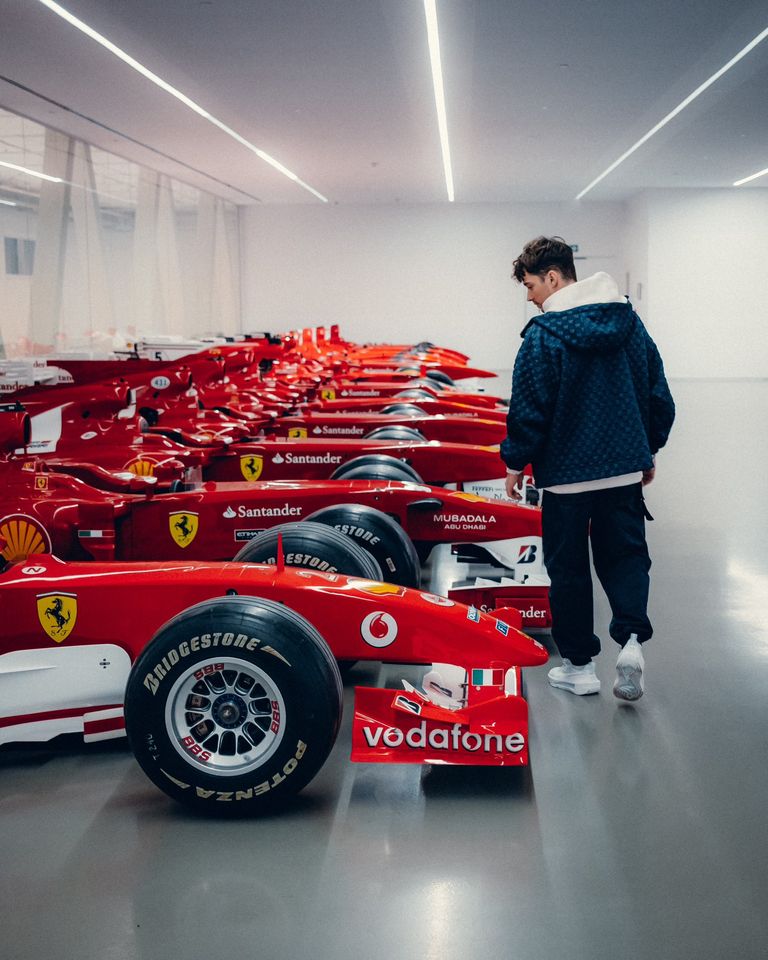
[(589, 396)]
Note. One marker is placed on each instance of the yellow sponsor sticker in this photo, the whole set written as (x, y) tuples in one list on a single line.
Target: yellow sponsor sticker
[(376, 588)]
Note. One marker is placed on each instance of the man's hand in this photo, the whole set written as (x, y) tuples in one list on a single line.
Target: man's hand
[(513, 478), (648, 475)]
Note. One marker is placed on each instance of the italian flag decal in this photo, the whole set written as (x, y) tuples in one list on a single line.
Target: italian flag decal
[(487, 678)]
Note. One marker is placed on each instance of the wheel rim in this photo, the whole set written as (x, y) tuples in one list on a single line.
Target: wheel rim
[(225, 716)]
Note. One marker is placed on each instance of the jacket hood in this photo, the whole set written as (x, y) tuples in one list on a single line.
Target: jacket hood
[(590, 315)]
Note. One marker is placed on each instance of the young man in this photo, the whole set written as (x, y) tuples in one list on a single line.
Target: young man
[(590, 407)]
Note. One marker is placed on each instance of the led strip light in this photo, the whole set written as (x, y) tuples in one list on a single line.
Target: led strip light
[(678, 109), (158, 81), (754, 176), (430, 11), (31, 173)]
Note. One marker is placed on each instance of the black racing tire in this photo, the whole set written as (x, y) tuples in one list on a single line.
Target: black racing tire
[(376, 466), (237, 726), (439, 377), (380, 535), (415, 394), (315, 546), (424, 383), (414, 370), (395, 433), (410, 409), (150, 415)]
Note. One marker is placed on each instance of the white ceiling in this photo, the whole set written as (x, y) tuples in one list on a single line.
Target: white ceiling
[(541, 96)]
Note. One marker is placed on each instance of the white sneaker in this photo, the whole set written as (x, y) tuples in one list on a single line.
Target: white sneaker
[(629, 671), (578, 680)]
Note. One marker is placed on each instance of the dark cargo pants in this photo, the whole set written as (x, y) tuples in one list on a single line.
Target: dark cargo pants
[(613, 520)]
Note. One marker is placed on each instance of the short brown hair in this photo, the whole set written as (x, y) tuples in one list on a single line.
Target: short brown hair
[(542, 254)]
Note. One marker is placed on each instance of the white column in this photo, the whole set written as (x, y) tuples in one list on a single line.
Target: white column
[(226, 300), (51, 248), (145, 257), (97, 316), (204, 254), (171, 294)]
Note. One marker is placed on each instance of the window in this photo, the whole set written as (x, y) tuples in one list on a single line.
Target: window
[(19, 256)]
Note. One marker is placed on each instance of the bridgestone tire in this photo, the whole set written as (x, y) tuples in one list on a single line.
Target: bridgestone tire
[(376, 466), (234, 705), (315, 546), (428, 384), (380, 535), (395, 433), (415, 394), (411, 409), (440, 377)]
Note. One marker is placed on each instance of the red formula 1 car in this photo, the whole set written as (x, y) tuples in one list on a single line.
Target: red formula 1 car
[(380, 529), (224, 677), (104, 426)]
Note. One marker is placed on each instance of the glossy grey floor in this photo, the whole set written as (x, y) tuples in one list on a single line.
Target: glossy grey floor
[(638, 832)]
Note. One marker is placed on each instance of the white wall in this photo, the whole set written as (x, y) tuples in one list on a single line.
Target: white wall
[(636, 252), (708, 281), (14, 290), (407, 273)]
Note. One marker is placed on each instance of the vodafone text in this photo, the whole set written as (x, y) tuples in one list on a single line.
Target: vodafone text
[(442, 738)]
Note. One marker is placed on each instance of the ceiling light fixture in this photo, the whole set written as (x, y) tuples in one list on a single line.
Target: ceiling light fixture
[(678, 109), (754, 176), (430, 11), (158, 81), (8, 203), (31, 173)]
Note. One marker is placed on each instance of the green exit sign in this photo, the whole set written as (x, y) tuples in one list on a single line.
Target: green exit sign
[(575, 247)]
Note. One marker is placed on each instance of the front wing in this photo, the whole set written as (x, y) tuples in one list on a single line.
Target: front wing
[(391, 726)]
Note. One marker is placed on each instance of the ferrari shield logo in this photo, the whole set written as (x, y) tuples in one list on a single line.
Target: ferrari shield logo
[(57, 613), (327, 394), (251, 466), (297, 433), (183, 526)]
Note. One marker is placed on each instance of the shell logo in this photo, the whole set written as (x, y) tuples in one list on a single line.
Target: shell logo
[(141, 467), (21, 536)]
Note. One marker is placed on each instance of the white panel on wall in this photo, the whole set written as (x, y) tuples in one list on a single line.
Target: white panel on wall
[(708, 280), (408, 273)]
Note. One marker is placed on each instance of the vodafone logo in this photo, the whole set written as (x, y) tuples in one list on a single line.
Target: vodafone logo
[(379, 629)]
